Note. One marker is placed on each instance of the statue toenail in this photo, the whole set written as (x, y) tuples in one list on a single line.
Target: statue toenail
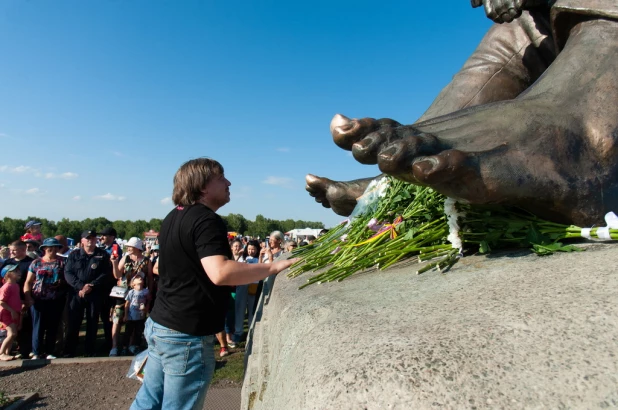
[(389, 152), (425, 166), (340, 123)]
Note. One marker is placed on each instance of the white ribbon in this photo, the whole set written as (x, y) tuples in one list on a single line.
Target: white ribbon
[(586, 233), (611, 220), (603, 233)]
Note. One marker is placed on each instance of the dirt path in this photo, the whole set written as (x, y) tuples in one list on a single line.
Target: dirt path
[(93, 386)]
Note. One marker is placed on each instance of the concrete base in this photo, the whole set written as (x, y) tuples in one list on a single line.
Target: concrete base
[(21, 400), (513, 330)]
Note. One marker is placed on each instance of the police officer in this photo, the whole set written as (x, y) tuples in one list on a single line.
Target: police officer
[(108, 240), (86, 272)]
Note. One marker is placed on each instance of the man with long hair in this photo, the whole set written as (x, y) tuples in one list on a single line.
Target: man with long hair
[(196, 270)]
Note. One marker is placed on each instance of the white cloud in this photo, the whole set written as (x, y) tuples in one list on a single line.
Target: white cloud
[(77, 198), (17, 170), (33, 191), (279, 181), (51, 175), (118, 154), (24, 169), (3, 135), (283, 149), (166, 201), (109, 197)]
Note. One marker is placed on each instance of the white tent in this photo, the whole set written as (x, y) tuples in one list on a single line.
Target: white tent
[(295, 233)]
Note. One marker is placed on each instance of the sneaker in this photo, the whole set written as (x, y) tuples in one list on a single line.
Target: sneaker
[(51, 357), (31, 355), (124, 352), (223, 352), (134, 350), (17, 356), (35, 357), (232, 345), (113, 352)]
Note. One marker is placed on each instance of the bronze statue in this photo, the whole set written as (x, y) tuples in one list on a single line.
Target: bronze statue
[(530, 120)]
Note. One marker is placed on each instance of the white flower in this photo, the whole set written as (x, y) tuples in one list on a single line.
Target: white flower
[(452, 217)]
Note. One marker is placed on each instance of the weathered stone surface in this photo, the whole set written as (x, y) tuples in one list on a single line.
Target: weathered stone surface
[(508, 331)]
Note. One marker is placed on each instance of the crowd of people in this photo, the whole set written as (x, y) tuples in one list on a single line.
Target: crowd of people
[(49, 288)]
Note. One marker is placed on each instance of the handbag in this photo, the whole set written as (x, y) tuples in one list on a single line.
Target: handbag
[(119, 292)]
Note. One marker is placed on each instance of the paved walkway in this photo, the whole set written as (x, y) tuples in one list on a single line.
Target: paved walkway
[(226, 398)]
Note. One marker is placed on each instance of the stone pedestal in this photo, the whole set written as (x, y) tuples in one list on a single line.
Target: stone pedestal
[(512, 330)]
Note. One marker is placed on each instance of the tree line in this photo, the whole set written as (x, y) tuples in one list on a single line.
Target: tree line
[(13, 229)]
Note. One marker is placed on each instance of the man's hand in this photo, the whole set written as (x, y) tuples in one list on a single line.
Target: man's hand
[(284, 264), (267, 252), (85, 290), (14, 314)]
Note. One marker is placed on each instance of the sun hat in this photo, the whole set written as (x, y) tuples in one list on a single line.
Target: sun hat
[(135, 243), (50, 243), (30, 224), (7, 269)]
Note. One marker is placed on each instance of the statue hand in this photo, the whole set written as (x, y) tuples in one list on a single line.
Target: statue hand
[(502, 11)]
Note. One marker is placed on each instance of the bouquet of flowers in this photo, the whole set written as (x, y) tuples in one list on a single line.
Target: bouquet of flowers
[(395, 221)]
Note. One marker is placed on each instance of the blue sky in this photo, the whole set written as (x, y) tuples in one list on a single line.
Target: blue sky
[(103, 100)]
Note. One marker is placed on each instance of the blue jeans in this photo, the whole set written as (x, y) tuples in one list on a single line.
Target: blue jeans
[(178, 371), (244, 303), (230, 315)]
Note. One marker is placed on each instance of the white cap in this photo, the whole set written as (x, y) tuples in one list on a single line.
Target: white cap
[(136, 243)]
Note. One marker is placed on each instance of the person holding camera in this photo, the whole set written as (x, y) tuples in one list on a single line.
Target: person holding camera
[(45, 295)]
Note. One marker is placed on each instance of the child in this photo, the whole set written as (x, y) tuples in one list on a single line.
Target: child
[(33, 232), (135, 309), (10, 308)]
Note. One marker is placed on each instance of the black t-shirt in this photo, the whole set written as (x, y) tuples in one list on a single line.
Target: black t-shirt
[(187, 300)]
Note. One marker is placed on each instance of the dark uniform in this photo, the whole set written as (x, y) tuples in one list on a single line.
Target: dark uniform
[(82, 268), (108, 302)]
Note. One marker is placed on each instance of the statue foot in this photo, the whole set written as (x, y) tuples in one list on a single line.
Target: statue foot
[(551, 150), (338, 195)]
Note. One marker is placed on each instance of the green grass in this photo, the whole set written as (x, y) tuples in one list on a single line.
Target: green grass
[(5, 401), (230, 368)]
